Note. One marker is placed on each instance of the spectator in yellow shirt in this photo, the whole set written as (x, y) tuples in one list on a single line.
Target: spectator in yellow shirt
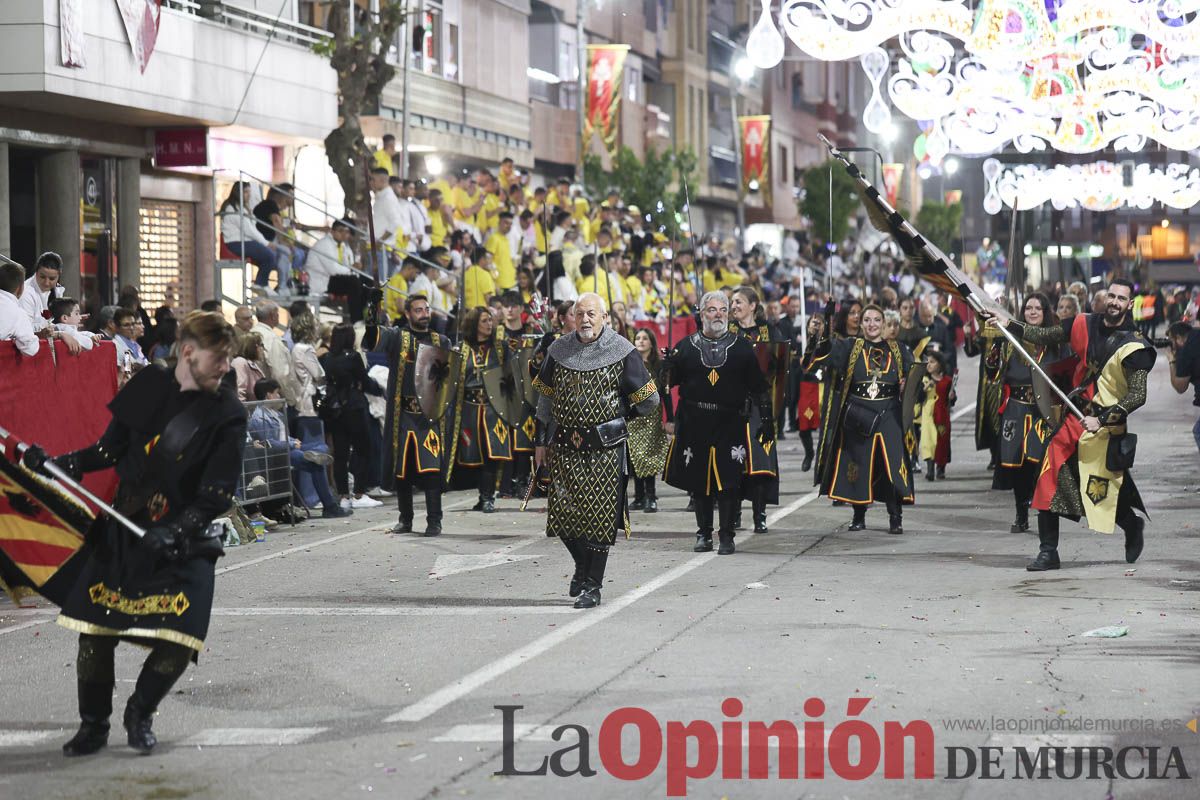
[(560, 196), (440, 220), (595, 279), (395, 291), (384, 157), (718, 274), (467, 199), (500, 247), (510, 176), (479, 286)]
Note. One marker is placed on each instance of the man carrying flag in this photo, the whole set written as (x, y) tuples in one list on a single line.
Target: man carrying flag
[(175, 440)]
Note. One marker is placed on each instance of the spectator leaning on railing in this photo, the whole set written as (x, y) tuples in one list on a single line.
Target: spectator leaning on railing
[(278, 361), (15, 324), (41, 288)]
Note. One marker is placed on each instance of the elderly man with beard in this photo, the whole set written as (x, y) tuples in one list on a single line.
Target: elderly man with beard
[(1085, 471), (590, 383), (175, 440), (720, 383)]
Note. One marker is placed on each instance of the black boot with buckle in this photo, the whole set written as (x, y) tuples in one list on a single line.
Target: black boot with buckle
[(1047, 557)]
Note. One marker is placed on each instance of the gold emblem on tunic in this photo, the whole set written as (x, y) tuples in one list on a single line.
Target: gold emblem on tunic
[(713, 377)]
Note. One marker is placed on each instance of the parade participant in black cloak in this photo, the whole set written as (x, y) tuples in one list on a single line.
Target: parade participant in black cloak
[(591, 383), (864, 457), (414, 443), (761, 484), (719, 381), (176, 440)]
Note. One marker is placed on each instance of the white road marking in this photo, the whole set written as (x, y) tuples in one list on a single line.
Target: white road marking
[(962, 412), (42, 617), (232, 737), (463, 686), (452, 564), (390, 611), (11, 738)]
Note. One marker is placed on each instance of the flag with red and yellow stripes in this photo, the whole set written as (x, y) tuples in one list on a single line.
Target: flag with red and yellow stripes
[(41, 531)]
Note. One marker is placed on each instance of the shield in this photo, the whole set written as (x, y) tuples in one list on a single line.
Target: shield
[(518, 364), (435, 375), (773, 360), (503, 395), (1044, 395), (913, 391)]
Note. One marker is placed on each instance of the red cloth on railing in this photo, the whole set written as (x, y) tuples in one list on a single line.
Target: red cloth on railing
[(60, 402)]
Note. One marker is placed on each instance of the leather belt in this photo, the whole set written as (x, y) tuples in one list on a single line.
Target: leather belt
[(881, 391), (475, 396), (1022, 393), (713, 407), (411, 404), (604, 436)]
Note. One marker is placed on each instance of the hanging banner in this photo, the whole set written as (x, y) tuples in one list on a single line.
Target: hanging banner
[(141, 19), (891, 182), (953, 196), (606, 72), (70, 32), (756, 154)]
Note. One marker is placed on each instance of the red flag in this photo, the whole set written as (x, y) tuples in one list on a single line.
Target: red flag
[(41, 530), (606, 70), (756, 152)]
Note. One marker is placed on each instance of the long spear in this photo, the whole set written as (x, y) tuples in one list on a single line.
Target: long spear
[(935, 266), (687, 200)]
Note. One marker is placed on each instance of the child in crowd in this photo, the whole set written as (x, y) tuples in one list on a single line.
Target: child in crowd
[(66, 317), (935, 415)]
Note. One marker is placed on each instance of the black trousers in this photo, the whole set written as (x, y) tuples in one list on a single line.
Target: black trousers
[(95, 676), (429, 483), (349, 433)]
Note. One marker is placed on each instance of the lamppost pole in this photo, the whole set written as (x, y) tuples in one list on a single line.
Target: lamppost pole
[(581, 102)]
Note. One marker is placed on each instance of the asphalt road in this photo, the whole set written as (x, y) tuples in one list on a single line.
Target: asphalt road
[(344, 662)]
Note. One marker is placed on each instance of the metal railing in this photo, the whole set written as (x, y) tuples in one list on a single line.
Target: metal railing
[(250, 20), (266, 468)]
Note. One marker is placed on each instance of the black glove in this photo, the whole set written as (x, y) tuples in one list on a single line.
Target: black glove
[(767, 432), (163, 541), (35, 458)]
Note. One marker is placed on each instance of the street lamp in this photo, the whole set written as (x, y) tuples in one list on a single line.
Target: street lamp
[(951, 166)]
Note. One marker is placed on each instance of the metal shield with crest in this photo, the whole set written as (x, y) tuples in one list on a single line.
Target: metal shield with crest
[(435, 376), (914, 393), (503, 395), (519, 361), (773, 360), (1044, 394)]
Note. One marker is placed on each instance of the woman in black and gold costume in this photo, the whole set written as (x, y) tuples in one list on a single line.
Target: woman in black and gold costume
[(863, 456), (648, 429), (1023, 431), (482, 441)]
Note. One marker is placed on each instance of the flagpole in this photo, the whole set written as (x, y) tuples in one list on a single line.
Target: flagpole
[(62, 477), (949, 272)]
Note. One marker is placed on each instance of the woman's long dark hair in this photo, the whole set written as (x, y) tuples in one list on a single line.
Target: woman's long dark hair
[(342, 338), (655, 360), (839, 321), (752, 296), (234, 199), (470, 327), (1049, 318)]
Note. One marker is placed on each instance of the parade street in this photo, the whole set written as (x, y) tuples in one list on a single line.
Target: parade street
[(343, 662)]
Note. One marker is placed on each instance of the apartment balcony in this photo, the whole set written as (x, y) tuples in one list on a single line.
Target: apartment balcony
[(555, 133), (198, 73)]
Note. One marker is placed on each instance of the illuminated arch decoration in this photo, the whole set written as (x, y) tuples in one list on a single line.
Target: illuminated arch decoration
[(1097, 187)]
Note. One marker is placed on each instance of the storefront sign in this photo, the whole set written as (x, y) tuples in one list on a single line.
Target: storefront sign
[(181, 147)]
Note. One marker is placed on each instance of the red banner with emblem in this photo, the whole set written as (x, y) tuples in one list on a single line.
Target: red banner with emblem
[(755, 141), (606, 73), (892, 173)]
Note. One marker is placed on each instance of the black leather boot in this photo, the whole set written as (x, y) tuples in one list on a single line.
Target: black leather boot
[(941, 472), (404, 500), (1047, 557), (433, 509), (651, 496), (704, 524), (930, 472), (95, 707), (590, 596), (1021, 523), (163, 666), (639, 495), (1134, 527), (579, 555), (487, 503), (807, 440), (728, 510), (859, 522)]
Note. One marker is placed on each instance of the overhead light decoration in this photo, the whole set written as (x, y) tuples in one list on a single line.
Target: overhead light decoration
[(1098, 186), (834, 30), (764, 45)]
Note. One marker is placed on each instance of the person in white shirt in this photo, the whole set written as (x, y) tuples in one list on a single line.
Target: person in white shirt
[(414, 217), (278, 363), (332, 255), (67, 319), (42, 288), (240, 233), (562, 223), (387, 214), (15, 324)]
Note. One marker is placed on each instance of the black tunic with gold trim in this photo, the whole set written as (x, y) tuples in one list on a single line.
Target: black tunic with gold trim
[(480, 435), (762, 460), (717, 380), (1022, 431), (865, 430), (588, 393), (413, 443), (124, 588)]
